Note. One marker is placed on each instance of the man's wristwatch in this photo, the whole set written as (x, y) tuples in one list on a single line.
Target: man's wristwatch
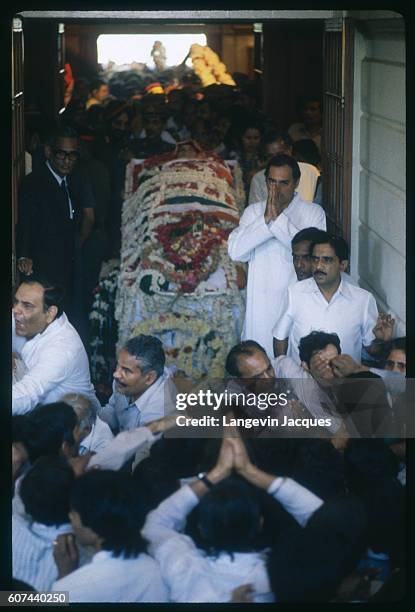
[(202, 476)]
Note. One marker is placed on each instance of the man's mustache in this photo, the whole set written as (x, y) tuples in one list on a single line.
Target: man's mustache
[(319, 272)]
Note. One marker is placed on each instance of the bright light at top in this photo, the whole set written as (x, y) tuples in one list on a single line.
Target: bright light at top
[(128, 48)]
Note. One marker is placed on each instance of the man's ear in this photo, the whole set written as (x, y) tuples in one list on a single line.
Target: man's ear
[(304, 365), (48, 151), (151, 377), (344, 264), (51, 313)]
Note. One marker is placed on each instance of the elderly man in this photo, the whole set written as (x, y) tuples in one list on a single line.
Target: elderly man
[(326, 302), (263, 239), (52, 351), (143, 390)]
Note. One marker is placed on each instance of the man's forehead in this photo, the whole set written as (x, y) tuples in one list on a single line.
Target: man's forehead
[(32, 292), (67, 144), (257, 360), (126, 358), (302, 248), (323, 249), (280, 172)]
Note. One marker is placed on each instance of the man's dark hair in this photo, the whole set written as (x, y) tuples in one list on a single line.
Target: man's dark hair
[(337, 243), (304, 100), (306, 150), (316, 341), (96, 84), (229, 517), (309, 564), (64, 131), (275, 135), (397, 344), (53, 294), (149, 352), (51, 425), (284, 160), (46, 488), (247, 347), (108, 503), (308, 233)]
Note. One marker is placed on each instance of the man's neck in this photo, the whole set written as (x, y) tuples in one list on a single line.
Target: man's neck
[(328, 292)]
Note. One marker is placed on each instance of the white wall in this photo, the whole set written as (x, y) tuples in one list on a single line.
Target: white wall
[(378, 210)]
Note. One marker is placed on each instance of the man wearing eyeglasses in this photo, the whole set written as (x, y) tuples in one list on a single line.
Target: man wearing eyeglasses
[(263, 239), (51, 215), (326, 302)]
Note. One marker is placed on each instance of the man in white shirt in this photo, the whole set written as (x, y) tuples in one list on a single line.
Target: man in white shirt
[(44, 492), (230, 521), (275, 143), (326, 303), (50, 347), (143, 389), (106, 515), (248, 360), (94, 435), (263, 239)]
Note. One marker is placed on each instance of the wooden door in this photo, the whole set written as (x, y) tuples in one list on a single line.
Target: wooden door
[(338, 43), (18, 144)]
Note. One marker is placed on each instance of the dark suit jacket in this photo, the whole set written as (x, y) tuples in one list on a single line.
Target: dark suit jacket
[(45, 232)]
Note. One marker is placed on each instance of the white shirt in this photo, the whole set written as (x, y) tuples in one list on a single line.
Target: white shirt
[(194, 576), (56, 363), (351, 314), (115, 579), (307, 390), (267, 249), (165, 135), (33, 560), (306, 187), (98, 438), (60, 180), (156, 402), (127, 443)]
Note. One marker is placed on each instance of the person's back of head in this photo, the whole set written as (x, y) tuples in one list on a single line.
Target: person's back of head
[(367, 463), (45, 490), (107, 502), (318, 466), (229, 518), (308, 565), (52, 426), (306, 150)]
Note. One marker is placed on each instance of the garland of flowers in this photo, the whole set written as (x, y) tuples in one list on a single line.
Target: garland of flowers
[(198, 349), (103, 328), (208, 67), (174, 236)]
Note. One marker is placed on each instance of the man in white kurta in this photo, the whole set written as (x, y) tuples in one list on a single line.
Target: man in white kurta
[(51, 349), (263, 239), (327, 303)]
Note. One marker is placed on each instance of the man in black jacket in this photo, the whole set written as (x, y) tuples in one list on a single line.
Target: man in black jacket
[(54, 219)]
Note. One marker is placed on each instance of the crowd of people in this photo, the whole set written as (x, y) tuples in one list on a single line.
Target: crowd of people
[(109, 504)]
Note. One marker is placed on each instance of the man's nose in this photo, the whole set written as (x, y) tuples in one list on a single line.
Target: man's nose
[(16, 309)]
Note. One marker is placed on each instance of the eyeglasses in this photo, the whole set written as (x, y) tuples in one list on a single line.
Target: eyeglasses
[(61, 155), (389, 363)]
